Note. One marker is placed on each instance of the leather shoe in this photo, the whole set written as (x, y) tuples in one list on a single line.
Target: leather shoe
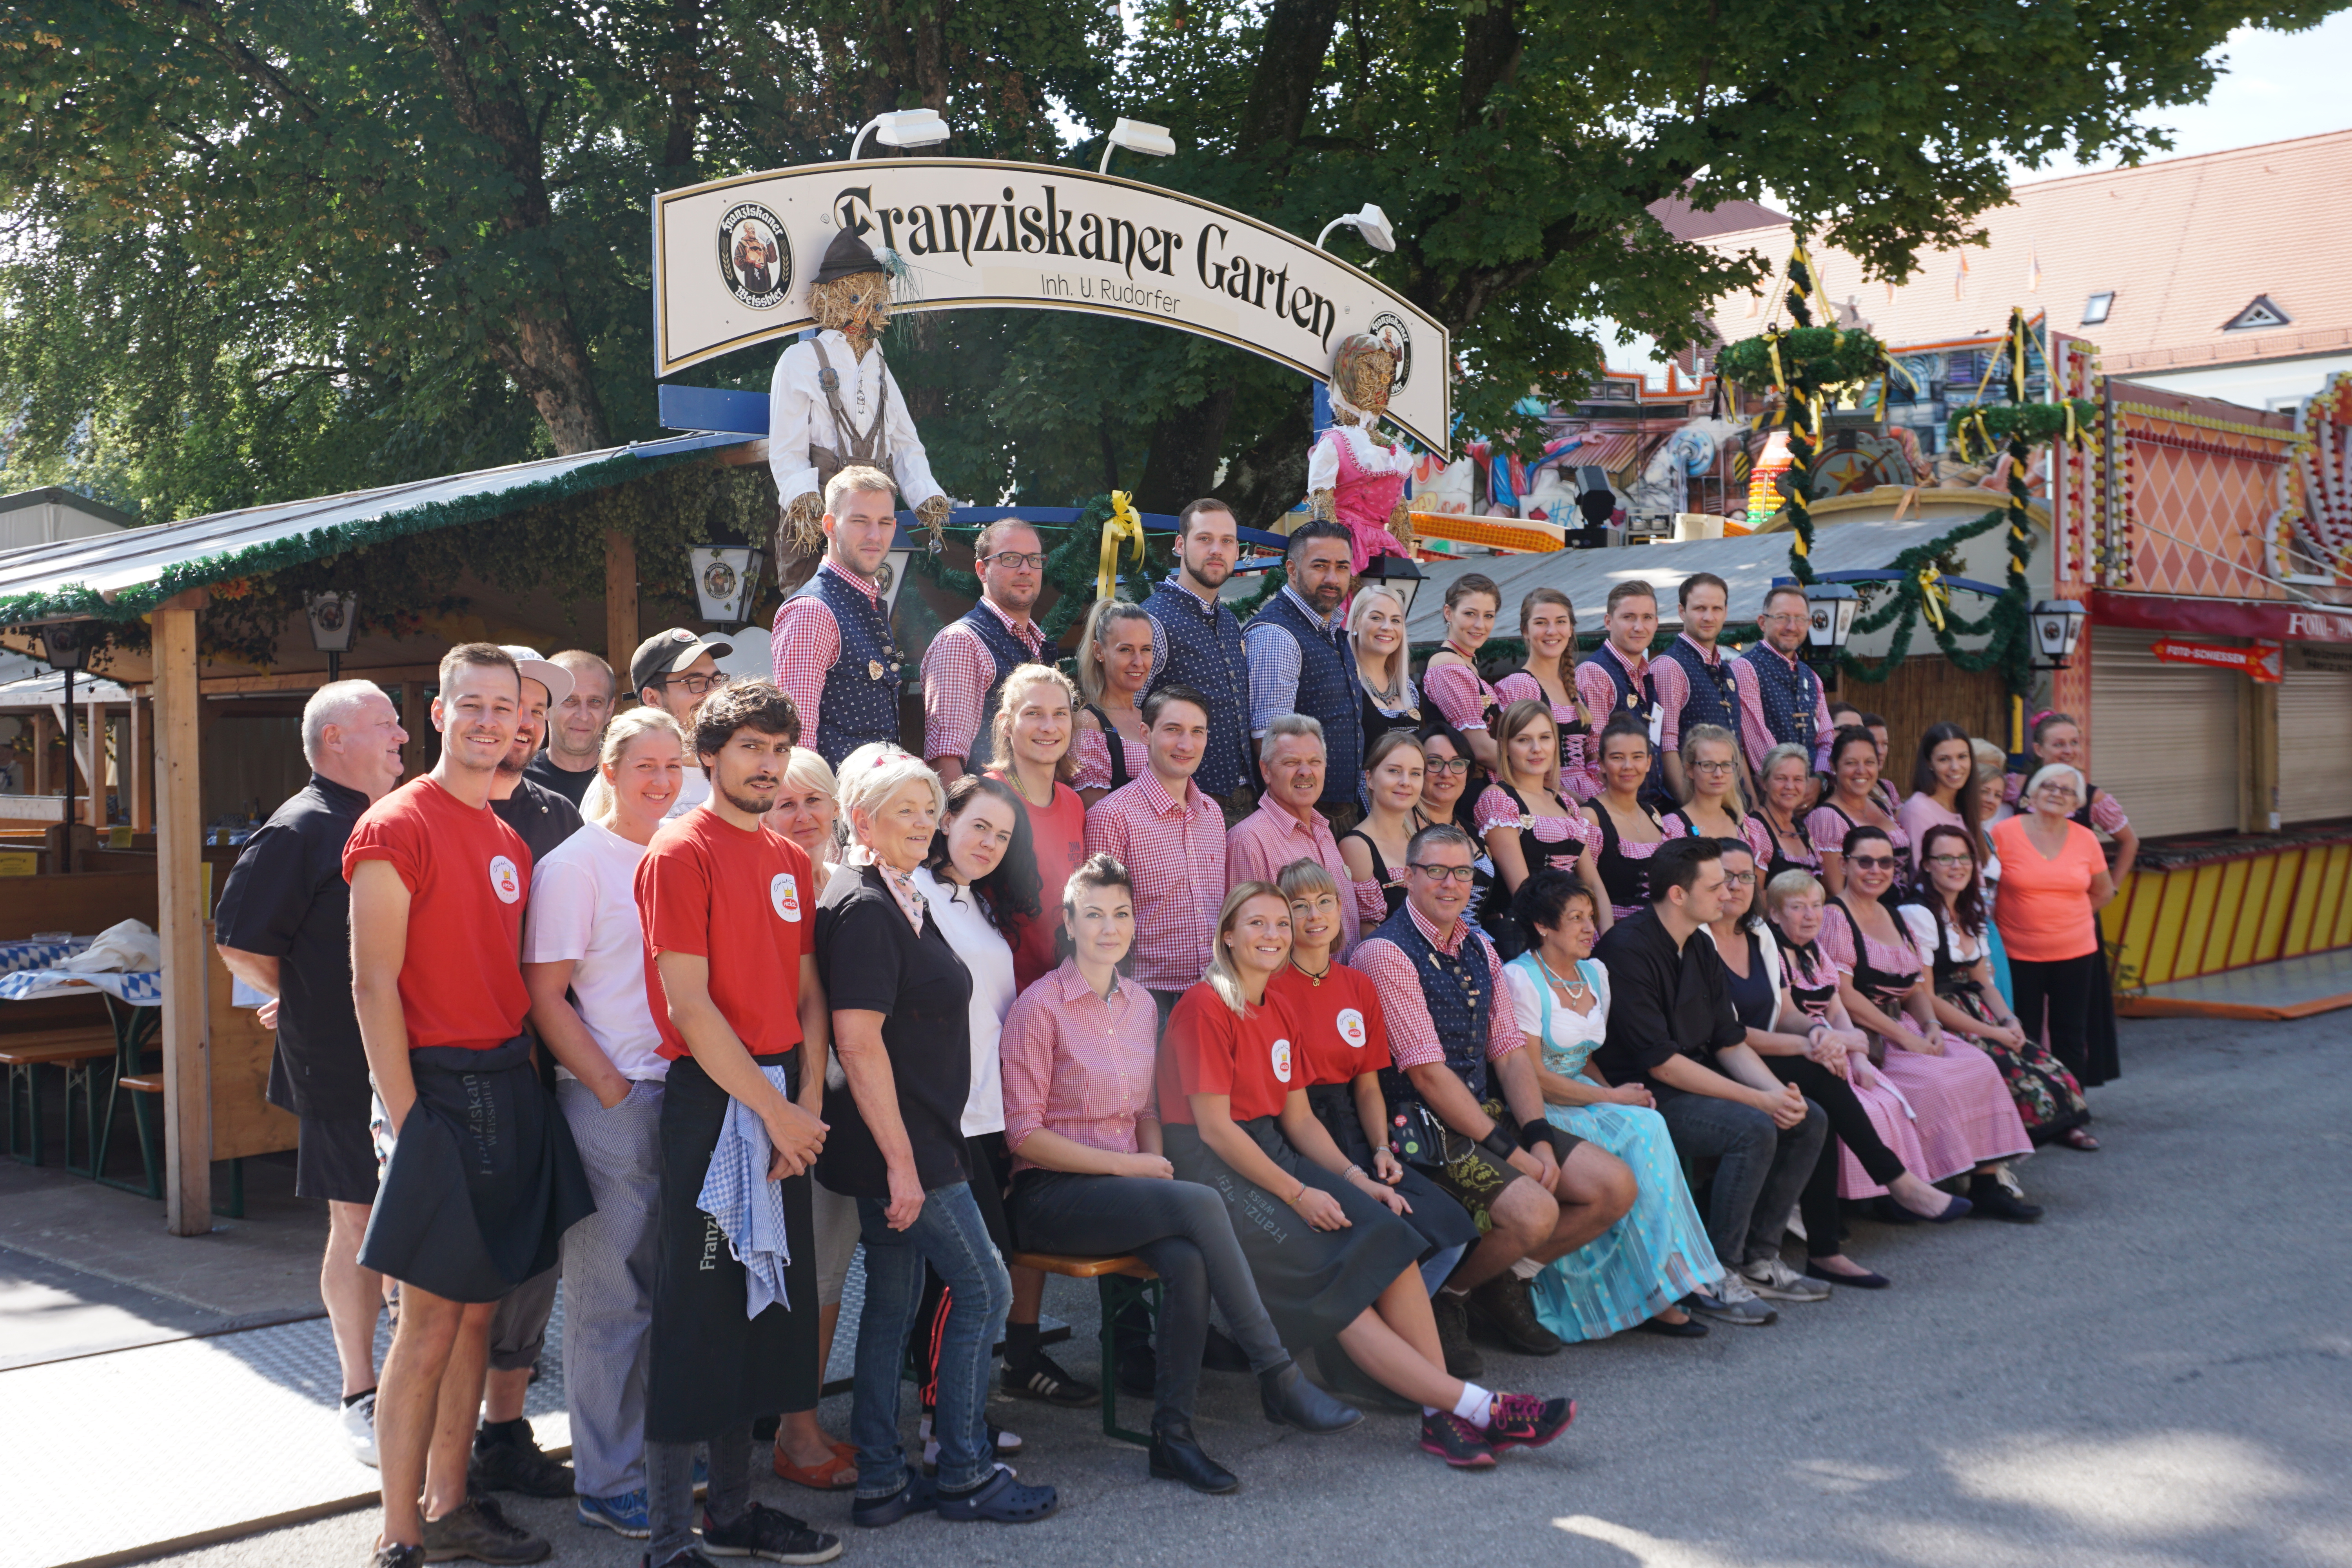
[(1992, 1202), (1176, 1456), (1690, 1328), (1501, 1310), (1290, 1400), (1453, 1314)]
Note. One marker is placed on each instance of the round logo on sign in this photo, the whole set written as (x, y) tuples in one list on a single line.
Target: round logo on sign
[(505, 880), (1351, 1026), (753, 259), (785, 892), (1282, 1060), (1397, 338)]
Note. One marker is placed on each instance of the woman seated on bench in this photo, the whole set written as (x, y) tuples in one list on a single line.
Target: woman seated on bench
[(1088, 1177)]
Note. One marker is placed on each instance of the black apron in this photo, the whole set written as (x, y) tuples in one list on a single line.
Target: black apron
[(1440, 1219)]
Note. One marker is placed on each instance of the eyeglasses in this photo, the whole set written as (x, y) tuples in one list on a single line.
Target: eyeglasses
[(1463, 874), (1710, 767), (1872, 862), (1013, 561), (1949, 860), (1739, 878), (1449, 764), (694, 685)]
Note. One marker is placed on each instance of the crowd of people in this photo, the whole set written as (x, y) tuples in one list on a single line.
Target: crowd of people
[(1382, 1019)]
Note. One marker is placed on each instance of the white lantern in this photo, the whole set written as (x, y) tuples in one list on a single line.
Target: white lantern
[(2058, 629), (726, 580)]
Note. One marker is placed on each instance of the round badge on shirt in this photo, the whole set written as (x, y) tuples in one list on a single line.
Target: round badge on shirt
[(1351, 1026), (1282, 1060), (785, 892), (505, 880)]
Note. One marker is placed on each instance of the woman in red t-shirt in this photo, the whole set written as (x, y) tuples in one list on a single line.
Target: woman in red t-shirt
[(1035, 728), (1327, 1242), (1343, 1048)]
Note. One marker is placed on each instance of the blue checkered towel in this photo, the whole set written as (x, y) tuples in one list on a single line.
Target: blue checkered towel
[(748, 1206)]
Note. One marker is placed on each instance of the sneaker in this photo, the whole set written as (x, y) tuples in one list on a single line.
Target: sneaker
[(1452, 1313), (358, 1427), (1773, 1277), (1527, 1420), (1502, 1310), (516, 1465), (1044, 1381), (475, 1528), (622, 1515), (1729, 1300), (397, 1556), (1456, 1441), (770, 1535)]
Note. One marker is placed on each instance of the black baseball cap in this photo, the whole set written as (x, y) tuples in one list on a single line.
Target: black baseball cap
[(667, 653)]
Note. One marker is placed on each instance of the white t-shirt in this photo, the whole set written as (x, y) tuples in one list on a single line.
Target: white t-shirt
[(989, 959), (583, 907), (693, 789)]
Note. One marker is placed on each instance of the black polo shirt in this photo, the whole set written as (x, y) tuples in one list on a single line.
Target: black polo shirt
[(540, 818), (286, 899), (1662, 1002), (873, 961), (572, 787)]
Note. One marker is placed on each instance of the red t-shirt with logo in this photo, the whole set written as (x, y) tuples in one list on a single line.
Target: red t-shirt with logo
[(466, 874), (1340, 1032), (1208, 1049), (745, 901), (1058, 834)]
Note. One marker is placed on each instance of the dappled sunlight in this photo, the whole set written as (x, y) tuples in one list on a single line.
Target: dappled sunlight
[(2141, 1488)]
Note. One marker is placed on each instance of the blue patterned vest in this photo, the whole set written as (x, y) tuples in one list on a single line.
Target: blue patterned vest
[(1714, 696), (1327, 693), (1460, 993), (1790, 695), (1204, 652), (1008, 651), (860, 703), (1640, 703)]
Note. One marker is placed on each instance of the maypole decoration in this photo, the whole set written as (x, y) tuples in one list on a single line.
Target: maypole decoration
[(1125, 526)]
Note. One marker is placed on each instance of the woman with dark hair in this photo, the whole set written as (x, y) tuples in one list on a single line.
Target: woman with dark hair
[(1949, 920), (1853, 801), (1629, 832), (1395, 768), (1450, 681), (1523, 819), (1966, 1121), (1548, 627), (1633, 1273), (1449, 770), (1942, 785)]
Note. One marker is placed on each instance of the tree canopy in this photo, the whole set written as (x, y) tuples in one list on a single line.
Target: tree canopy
[(261, 248)]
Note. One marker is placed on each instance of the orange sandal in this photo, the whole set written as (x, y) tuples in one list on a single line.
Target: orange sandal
[(838, 1473)]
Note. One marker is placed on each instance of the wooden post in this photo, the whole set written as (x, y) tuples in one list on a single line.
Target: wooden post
[(94, 766), (413, 720), (43, 729), (180, 903), (2258, 774), (142, 771), (621, 634)]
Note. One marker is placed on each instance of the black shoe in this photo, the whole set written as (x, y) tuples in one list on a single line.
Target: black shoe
[(918, 1495), (1176, 1456), (1290, 1400), (1886, 1211), (1138, 1370), (770, 1534), (475, 1528), (1221, 1355), (1501, 1310), (1351, 1382), (1992, 1202), (1040, 1378), (1453, 1312), (1690, 1328), (397, 1556), (516, 1465)]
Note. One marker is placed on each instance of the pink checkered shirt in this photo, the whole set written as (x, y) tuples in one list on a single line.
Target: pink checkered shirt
[(1593, 686), (1094, 759), (1079, 1066), (1176, 856), (1756, 731), (1460, 694), (1413, 1038), (1269, 838), (958, 670), (805, 643), (1580, 760)]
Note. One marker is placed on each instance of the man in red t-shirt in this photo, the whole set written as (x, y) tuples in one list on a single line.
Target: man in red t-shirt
[(730, 916), (483, 1178)]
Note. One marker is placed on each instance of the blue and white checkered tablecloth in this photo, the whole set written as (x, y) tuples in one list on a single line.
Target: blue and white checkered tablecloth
[(143, 988), (31, 954)]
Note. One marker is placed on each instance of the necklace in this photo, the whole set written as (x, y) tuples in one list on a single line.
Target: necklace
[(1467, 655), (1572, 989), (1313, 977), (1386, 696)]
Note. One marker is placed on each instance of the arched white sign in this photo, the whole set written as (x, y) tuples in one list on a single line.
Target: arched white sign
[(732, 260)]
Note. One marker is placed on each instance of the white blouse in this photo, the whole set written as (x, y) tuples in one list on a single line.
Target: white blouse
[(989, 958)]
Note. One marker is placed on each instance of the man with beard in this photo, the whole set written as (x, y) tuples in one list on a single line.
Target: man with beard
[(1300, 661), (1196, 643), (1781, 703), (965, 666)]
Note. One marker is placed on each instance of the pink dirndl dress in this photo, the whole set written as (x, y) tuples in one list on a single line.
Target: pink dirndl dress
[(1579, 776), (1814, 987), (1364, 491)]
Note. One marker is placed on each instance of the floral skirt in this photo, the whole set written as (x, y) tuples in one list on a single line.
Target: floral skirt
[(2049, 1099)]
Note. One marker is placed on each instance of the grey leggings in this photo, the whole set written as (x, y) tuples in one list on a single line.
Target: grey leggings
[(1182, 1230), (669, 1489)]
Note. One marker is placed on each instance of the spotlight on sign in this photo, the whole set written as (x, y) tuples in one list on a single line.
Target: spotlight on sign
[(1137, 136), (1371, 222), (903, 128)]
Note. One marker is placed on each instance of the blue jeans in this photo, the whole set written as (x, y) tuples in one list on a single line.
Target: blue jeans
[(1760, 1168), (949, 1236)]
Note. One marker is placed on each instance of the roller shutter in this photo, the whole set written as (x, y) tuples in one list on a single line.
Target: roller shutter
[(2164, 737), (2314, 720)]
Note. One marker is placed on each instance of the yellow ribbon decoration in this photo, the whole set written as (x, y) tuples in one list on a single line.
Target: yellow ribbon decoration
[(1772, 348), (1933, 595), (1123, 523)]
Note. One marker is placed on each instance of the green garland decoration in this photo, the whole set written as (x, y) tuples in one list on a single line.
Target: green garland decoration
[(2069, 420)]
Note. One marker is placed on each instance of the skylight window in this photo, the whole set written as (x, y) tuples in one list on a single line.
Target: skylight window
[(2095, 308)]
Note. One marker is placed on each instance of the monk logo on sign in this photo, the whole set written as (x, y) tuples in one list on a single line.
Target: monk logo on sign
[(753, 257)]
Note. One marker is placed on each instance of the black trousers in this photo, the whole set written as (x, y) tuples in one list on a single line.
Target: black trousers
[(2056, 996), (1849, 1124)]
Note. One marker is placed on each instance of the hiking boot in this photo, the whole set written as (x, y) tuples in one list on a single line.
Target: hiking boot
[(514, 1464), (1452, 1313), (1502, 1310), (475, 1528)]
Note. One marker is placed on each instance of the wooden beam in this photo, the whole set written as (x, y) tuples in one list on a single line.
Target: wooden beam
[(413, 719), (2258, 754), (142, 773), (180, 907), (621, 634), (93, 767), (44, 730)]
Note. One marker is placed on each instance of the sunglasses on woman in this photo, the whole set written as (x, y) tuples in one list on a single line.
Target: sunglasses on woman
[(1872, 862)]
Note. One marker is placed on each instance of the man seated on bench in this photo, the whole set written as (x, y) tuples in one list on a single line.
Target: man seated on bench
[(1088, 1176)]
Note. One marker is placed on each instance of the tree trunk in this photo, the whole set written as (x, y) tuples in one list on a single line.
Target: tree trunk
[(1269, 477)]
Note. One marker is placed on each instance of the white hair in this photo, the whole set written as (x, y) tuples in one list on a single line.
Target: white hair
[(2048, 770), (333, 703), (871, 775)]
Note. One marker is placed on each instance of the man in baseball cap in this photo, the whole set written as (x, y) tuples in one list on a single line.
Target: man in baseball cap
[(675, 671)]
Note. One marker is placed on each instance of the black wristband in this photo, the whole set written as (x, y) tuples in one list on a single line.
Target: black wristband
[(1498, 1143), (1534, 1132)]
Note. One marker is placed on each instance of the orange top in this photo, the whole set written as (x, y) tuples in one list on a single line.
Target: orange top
[(2044, 905)]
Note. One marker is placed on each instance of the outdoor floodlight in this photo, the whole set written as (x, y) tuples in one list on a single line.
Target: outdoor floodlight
[(1371, 223), (1137, 136), (903, 128)]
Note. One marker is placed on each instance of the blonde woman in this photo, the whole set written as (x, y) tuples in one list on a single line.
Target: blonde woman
[(1395, 768), (1710, 759), (1376, 630), (1036, 723), (1114, 666), (1523, 820), (1548, 626), (1325, 1240)]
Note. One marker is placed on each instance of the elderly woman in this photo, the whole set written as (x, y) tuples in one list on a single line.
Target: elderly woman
[(1854, 800), (2057, 738), (1451, 681), (1395, 768), (1383, 664), (900, 999), (1114, 666), (1787, 781), (2053, 883), (1526, 822), (1548, 626), (1036, 724)]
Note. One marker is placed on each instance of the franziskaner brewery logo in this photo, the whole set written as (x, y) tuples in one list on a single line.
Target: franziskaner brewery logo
[(753, 257)]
